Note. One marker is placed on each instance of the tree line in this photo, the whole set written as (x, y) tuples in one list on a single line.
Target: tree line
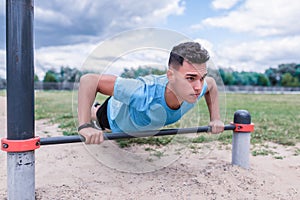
[(284, 75), (287, 75), (65, 74)]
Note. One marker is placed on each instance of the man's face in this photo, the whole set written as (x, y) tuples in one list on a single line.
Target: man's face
[(188, 80)]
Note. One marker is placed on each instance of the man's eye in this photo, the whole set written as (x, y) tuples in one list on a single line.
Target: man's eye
[(190, 78)]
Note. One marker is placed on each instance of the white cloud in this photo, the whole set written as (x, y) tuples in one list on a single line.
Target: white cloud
[(155, 58), (207, 45), (56, 56), (2, 6), (271, 26), (61, 21), (51, 17), (224, 4), (134, 13), (65, 30), (148, 46), (174, 7), (259, 55), (263, 18)]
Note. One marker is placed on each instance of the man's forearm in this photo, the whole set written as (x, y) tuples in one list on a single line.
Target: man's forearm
[(86, 96), (213, 107), (212, 100)]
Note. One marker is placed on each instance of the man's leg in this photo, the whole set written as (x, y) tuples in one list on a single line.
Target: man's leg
[(99, 115), (94, 110)]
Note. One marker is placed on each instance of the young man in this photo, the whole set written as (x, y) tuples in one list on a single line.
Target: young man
[(151, 102)]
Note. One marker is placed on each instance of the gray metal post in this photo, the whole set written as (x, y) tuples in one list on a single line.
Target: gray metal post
[(241, 140), (20, 97)]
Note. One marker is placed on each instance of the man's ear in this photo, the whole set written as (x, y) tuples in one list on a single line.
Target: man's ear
[(170, 74)]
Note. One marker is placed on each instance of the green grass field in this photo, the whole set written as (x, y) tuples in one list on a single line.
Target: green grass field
[(276, 117)]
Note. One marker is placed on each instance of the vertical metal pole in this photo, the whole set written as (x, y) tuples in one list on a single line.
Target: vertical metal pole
[(20, 97), (241, 140)]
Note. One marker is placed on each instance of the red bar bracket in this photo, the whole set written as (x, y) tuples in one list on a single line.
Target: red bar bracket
[(20, 145), (243, 128)]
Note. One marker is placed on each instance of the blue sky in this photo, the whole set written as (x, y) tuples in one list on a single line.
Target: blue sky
[(250, 35)]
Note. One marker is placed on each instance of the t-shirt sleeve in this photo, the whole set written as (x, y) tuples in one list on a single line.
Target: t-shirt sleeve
[(133, 92), (124, 89)]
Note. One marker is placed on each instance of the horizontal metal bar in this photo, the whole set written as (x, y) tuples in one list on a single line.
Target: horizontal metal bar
[(61, 139), (115, 136)]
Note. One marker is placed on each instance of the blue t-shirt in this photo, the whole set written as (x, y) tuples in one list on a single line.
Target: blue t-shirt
[(139, 104)]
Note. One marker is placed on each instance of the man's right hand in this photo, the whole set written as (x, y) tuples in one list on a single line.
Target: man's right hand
[(92, 135)]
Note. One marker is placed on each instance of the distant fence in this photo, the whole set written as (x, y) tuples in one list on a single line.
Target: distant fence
[(232, 88), (55, 86), (262, 89), (49, 86)]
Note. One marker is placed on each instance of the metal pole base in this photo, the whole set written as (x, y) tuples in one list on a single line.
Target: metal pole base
[(20, 167), (241, 149)]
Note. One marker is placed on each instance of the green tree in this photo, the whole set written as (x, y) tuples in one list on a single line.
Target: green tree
[(2, 83), (249, 78), (273, 76), (287, 68), (222, 74), (263, 80), (36, 78), (238, 79), (297, 73), (50, 76), (68, 74), (229, 79), (289, 80)]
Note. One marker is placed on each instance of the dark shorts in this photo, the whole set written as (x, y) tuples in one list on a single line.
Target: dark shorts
[(102, 115)]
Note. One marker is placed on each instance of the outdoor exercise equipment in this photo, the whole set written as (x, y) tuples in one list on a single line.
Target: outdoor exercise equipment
[(21, 142), (115, 136)]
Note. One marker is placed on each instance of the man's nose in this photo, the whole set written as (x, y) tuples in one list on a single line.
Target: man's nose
[(197, 85)]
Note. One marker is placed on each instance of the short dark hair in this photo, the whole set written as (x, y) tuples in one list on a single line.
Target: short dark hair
[(190, 51)]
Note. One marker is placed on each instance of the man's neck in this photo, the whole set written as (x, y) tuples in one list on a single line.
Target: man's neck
[(171, 99)]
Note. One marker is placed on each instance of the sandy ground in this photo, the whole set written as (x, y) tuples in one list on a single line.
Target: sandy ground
[(77, 171)]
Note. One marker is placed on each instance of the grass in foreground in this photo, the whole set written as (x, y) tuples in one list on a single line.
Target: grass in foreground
[(276, 117), (60, 107)]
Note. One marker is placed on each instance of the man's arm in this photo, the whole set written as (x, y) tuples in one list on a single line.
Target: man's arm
[(89, 85), (212, 101)]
